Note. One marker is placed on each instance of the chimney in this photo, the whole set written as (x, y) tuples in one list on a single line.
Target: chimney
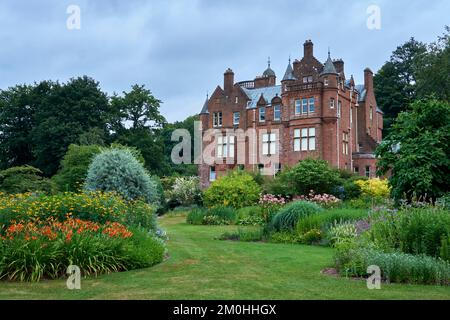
[(308, 49), (228, 81), (339, 65), (368, 79)]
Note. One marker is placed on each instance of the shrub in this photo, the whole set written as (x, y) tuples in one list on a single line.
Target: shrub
[(247, 234), (185, 191), (323, 221), (287, 218), (374, 188), (31, 251), (250, 216), (225, 214), (350, 190), (286, 238), (196, 216), (74, 167), (324, 200), (309, 174), (96, 207), (313, 236), (24, 179), (412, 230), (399, 267), (118, 171), (342, 233), (237, 190)]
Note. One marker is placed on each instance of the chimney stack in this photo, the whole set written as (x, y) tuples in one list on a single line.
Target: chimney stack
[(339, 65), (308, 51), (368, 79), (228, 81)]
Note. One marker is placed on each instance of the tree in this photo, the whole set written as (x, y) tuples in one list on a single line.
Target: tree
[(395, 83), (24, 179), (417, 151), (138, 108), (16, 123), (433, 77), (74, 167), (63, 113)]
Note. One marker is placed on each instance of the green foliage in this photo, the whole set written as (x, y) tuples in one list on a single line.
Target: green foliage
[(24, 179), (309, 174), (185, 191), (223, 214), (412, 230), (95, 253), (74, 167), (245, 234), (286, 238), (325, 220), (340, 233), (313, 236), (399, 267), (95, 207), (237, 190), (250, 216), (196, 216), (286, 219), (118, 171), (418, 151)]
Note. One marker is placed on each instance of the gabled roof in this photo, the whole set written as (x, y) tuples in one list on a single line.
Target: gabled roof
[(289, 74), (268, 94)]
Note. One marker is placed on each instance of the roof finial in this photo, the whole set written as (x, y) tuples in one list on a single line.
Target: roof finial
[(289, 59), (329, 54), (207, 95), (268, 62)]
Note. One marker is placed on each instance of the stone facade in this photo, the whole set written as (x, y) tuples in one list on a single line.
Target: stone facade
[(314, 112)]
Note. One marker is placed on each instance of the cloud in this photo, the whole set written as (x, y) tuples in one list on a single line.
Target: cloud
[(180, 48)]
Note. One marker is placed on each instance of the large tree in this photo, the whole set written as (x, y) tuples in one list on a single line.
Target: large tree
[(417, 151), (395, 83), (63, 113), (16, 122)]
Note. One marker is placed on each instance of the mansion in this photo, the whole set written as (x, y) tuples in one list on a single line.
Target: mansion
[(314, 112)]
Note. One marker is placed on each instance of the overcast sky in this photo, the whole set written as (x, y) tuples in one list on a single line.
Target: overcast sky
[(180, 48)]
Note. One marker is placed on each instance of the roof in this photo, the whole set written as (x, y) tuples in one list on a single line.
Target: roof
[(269, 73), (329, 67), (362, 92), (289, 74), (267, 92), (205, 107)]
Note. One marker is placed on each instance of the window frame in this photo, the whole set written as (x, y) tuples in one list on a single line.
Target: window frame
[(262, 112), (234, 118), (275, 107)]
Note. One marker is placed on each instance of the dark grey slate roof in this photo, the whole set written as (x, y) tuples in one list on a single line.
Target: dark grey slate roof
[(255, 94), (289, 74), (269, 72), (329, 67), (205, 107), (362, 92)]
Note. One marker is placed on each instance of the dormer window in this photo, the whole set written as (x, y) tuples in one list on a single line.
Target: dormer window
[(307, 79)]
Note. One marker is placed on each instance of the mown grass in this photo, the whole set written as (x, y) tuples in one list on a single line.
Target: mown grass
[(203, 268)]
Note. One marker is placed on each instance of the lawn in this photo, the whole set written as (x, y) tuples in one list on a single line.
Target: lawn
[(200, 267)]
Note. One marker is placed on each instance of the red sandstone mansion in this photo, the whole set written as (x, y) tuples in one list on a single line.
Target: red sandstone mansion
[(315, 112)]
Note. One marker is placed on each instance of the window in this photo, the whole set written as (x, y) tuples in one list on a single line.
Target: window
[(356, 170), (368, 171), (371, 113), (325, 81), (298, 107), (217, 119), (276, 168), (236, 118), (312, 107), (262, 114), (345, 143), (261, 168), (277, 113), (351, 115), (305, 106), (236, 100), (212, 173), (307, 79), (339, 109), (225, 147), (305, 139), (269, 144), (331, 103)]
